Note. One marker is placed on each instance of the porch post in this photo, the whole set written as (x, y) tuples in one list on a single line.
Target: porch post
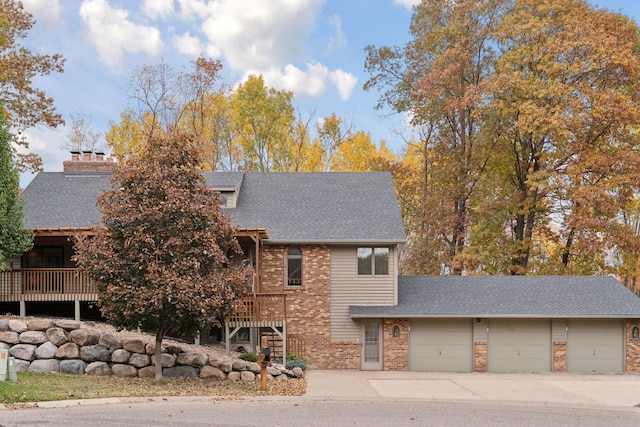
[(226, 338), (284, 344), (77, 309), (23, 309)]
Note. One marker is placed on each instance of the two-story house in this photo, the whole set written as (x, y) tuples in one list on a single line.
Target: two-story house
[(325, 247)]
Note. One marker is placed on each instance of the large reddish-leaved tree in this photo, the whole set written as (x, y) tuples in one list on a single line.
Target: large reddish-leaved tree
[(162, 260)]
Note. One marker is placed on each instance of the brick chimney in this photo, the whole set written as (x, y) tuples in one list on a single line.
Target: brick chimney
[(88, 162)]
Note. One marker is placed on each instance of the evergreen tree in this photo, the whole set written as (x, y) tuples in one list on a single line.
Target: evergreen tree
[(14, 239)]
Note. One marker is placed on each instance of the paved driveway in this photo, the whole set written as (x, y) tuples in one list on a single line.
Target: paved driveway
[(591, 390)]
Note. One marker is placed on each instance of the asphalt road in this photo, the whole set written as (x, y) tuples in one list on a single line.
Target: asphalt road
[(311, 412)]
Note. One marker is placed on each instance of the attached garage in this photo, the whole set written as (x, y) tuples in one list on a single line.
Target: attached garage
[(511, 324), (440, 345), (519, 345), (595, 345)]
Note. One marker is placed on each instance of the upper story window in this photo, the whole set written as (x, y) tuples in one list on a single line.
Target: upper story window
[(373, 261), (294, 266)]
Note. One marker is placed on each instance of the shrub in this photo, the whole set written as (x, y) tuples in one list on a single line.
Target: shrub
[(249, 357), (296, 363), (296, 356)]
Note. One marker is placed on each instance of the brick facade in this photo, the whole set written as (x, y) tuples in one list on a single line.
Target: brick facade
[(396, 348), (479, 357), (632, 350), (559, 356), (308, 310)]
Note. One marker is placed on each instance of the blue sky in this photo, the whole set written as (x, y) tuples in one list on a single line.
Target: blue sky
[(315, 48)]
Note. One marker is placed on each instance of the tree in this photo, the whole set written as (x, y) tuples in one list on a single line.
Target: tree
[(263, 119), (532, 153), (438, 78), (81, 136), (163, 258), (14, 239), (25, 105)]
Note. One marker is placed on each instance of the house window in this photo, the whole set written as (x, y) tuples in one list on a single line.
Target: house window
[(373, 261), (294, 267), (44, 257)]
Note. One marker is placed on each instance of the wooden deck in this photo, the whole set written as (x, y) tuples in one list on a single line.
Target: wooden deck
[(260, 310), (46, 284)]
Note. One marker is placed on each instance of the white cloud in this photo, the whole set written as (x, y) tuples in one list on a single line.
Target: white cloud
[(407, 3), (188, 44), (309, 82), (47, 11), (339, 39), (155, 9), (113, 34), (345, 82)]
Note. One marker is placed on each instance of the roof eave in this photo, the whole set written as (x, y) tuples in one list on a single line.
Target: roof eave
[(335, 242)]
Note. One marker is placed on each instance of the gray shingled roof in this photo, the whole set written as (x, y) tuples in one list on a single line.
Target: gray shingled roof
[(293, 207), (507, 296), (63, 199)]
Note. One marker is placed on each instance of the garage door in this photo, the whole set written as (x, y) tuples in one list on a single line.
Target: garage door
[(440, 345), (595, 345), (519, 345)]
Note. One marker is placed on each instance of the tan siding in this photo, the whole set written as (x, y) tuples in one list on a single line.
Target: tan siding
[(347, 288)]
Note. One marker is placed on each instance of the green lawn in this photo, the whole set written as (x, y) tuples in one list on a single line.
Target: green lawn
[(36, 387)]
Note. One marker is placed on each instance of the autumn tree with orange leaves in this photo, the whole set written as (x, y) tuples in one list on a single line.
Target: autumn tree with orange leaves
[(533, 156)]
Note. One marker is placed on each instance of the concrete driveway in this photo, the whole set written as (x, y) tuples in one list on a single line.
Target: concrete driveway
[(591, 390)]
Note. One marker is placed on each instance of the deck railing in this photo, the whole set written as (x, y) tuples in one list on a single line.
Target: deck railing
[(260, 310), (46, 284)]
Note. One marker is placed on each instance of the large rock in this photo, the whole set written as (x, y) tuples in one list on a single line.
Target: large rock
[(40, 324), (84, 337), (18, 326), (68, 324), (4, 325), (147, 372), (120, 356), (139, 360), (95, 353), (133, 345), (124, 371), (166, 360), (211, 373), (33, 337), (298, 372), (239, 365), (233, 376), (247, 376), (22, 365), (98, 369), (273, 371), (180, 371), (45, 365), (9, 337), (73, 367), (69, 350), (24, 351), (57, 336), (46, 351), (110, 341), (254, 367), (192, 359)]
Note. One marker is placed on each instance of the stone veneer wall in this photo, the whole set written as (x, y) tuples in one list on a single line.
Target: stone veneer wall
[(308, 308), (71, 347), (632, 351), (396, 349)]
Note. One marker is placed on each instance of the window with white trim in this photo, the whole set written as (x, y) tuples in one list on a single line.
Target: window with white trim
[(373, 261)]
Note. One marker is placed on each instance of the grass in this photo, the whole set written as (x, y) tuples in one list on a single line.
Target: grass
[(37, 387)]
